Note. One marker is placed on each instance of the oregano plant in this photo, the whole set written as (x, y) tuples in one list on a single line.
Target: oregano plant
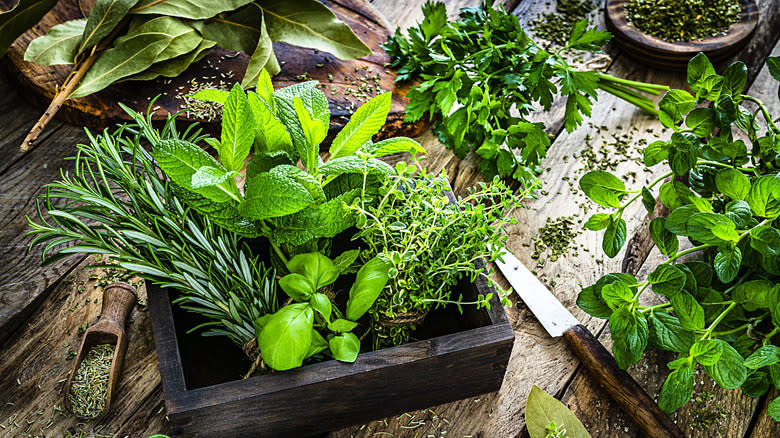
[(721, 241)]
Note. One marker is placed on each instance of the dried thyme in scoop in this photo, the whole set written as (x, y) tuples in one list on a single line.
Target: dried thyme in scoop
[(683, 20), (89, 388)]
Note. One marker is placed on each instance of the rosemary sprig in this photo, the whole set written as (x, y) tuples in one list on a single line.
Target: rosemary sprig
[(117, 203)]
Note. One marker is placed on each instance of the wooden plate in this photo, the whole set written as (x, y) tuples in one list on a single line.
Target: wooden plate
[(100, 110), (666, 55)]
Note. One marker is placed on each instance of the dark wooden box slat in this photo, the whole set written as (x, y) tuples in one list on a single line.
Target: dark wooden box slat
[(330, 395)]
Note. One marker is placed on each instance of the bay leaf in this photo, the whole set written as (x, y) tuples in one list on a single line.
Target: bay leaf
[(103, 18), (173, 67), (542, 409), (309, 23), (58, 46), (263, 57), (182, 37), (22, 16), (193, 9), (235, 30), (132, 56)]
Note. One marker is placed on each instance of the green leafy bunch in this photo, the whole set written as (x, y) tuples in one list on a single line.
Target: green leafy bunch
[(295, 332), (117, 203), (723, 309), (297, 209), (144, 39), (429, 242), (481, 76)]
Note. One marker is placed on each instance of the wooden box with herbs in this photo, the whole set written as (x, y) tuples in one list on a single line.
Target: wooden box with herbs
[(332, 290)]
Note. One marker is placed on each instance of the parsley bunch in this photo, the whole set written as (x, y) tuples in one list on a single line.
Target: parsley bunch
[(723, 289), (481, 76)]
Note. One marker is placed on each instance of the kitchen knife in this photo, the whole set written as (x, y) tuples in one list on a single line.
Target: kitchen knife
[(557, 320)]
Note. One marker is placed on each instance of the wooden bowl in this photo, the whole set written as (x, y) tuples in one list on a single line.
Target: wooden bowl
[(666, 55)]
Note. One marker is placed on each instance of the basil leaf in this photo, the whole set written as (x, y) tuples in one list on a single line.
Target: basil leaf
[(297, 287), (614, 237), (318, 344), (371, 279), (732, 183), (286, 336), (58, 46), (345, 347), (309, 23), (362, 125), (667, 280), (318, 269), (677, 389), (104, 16), (727, 263), (342, 326), (321, 303), (688, 310), (666, 241), (629, 336)]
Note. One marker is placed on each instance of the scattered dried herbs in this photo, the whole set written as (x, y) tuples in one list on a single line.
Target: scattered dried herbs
[(557, 236), (89, 387), (683, 20), (556, 27)]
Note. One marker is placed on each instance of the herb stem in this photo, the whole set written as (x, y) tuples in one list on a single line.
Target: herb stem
[(630, 97), (764, 111), (726, 166), (654, 89), (643, 309), (688, 251), (708, 332)]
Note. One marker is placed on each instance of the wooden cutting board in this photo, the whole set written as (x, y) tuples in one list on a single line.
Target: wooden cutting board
[(222, 68)]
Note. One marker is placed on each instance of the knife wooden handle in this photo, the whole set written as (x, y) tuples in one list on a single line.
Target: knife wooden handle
[(633, 400)]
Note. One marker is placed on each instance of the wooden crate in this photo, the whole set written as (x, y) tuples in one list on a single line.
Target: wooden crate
[(326, 395)]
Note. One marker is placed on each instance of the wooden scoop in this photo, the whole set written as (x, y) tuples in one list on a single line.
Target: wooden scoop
[(118, 300)]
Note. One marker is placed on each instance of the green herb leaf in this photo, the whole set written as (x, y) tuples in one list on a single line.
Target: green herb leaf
[(315, 267), (753, 294), (371, 279), (733, 183), (58, 46), (314, 131), (727, 263), (345, 260), (666, 241), (286, 336), (765, 240), (180, 160), (701, 121), (237, 132), (667, 333), (677, 221), (313, 100), (591, 302), (363, 124), (318, 344), (598, 221), (262, 58), (237, 29), (734, 80), (395, 145), (629, 335), (309, 23), (617, 295), (614, 237), (711, 228), (673, 106), (773, 409), (729, 371), (270, 133), (22, 16), (321, 303), (297, 287), (707, 351), (541, 409), (766, 355), (342, 326), (656, 152), (104, 16), (667, 280), (603, 188), (677, 389), (762, 199), (345, 347), (194, 9), (689, 311), (270, 194), (171, 68)]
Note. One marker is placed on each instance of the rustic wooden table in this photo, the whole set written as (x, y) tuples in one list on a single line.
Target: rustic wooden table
[(41, 308)]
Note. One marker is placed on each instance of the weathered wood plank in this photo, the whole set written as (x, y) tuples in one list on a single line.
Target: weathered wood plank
[(35, 366)]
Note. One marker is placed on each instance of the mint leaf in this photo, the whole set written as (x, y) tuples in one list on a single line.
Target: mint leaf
[(655, 152), (314, 131), (707, 351), (677, 221), (614, 237), (237, 132), (667, 333), (364, 123), (701, 121), (689, 311), (711, 228), (764, 356), (270, 134), (208, 176), (762, 199), (667, 280), (729, 371), (774, 406), (673, 106), (592, 303), (765, 240), (603, 188), (629, 335), (180, 160), (677, 389), (733, 183), (598, 221), (666, 241), (699, 68), (727, 263), (734, 80), (617, 294), (271, 195)]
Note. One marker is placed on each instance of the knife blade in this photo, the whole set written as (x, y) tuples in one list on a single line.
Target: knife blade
[(558, 321)]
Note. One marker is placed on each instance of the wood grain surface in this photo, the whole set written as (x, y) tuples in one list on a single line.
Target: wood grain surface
[(536, 358), (221, 68)]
